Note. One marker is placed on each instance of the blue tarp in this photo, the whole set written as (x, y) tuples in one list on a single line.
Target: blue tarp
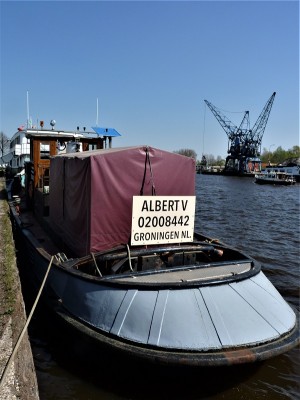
[(106, 131)]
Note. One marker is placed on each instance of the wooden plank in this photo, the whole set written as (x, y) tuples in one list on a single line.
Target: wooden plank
[(183, 322), (134, 318), (189, 275), (236, 321), (266, 300), (122, 313), (158, 317)]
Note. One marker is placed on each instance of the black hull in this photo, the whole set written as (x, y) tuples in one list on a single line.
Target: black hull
[(109, 344), (123, 351), (274, 182)]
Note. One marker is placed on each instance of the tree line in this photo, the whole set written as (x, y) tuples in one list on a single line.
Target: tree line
[(280, 155), (277, 156), (4, 144)]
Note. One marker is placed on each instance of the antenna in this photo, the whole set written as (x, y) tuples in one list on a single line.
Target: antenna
[(97, 113), (27, 110), (204, 121)]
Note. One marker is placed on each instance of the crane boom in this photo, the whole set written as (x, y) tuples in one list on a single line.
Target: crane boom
[(244, 143), (260, 125), (245, 121), (226, 124)]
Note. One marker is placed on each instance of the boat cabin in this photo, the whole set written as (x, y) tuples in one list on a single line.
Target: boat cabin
[(83, 193), (43, 146)]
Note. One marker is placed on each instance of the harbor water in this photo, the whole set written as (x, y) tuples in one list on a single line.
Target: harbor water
[(262, 221)]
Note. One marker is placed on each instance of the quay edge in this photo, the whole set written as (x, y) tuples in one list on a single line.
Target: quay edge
[(20, 380)]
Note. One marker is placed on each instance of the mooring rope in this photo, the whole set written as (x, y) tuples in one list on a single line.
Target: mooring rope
[(129, 257), (25, 326), (96, 266), (148, 161)]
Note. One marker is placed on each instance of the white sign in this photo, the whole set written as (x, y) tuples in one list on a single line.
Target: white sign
[(162, 219)]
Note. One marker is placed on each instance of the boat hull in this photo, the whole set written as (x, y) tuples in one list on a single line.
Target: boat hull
[(276, 182), (275, 178), (111, 349), (216, 322)]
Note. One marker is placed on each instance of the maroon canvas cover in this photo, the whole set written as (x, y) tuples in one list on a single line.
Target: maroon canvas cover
[(91, 192)]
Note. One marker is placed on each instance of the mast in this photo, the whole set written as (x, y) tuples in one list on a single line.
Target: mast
[(28, 110), (97, 113)]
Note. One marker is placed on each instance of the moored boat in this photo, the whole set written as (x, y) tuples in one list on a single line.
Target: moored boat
[(115, 229), (275, 178), (290, 166), (17, 154)]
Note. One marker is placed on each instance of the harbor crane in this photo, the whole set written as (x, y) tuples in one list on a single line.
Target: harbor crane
[(244, 144)]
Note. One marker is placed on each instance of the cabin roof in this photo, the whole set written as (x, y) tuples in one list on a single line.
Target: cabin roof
[(101, 152), (40, 134), (106, 131)]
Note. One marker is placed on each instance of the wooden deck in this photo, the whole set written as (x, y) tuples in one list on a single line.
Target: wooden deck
[(190, 275)]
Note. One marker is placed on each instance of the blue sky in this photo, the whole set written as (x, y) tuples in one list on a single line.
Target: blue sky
[(151, 65)]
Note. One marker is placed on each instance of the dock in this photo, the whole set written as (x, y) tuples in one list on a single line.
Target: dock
[(18, 380)]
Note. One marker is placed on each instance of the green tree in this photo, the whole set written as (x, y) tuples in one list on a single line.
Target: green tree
[(294, 152), (4, 144), (212, 160), (187, 152), (280, 155)]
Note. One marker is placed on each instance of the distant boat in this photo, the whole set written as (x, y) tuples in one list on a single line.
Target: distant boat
[(18, 153), (275, 178), (291, 167), (115, 228)]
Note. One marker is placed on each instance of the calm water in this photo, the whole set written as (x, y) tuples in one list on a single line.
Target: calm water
[(263, 221)]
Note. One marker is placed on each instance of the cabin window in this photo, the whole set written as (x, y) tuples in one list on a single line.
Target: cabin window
[(92, 146), (44, 150)]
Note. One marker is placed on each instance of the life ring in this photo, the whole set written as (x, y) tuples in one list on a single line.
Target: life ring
[(61, 146)]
